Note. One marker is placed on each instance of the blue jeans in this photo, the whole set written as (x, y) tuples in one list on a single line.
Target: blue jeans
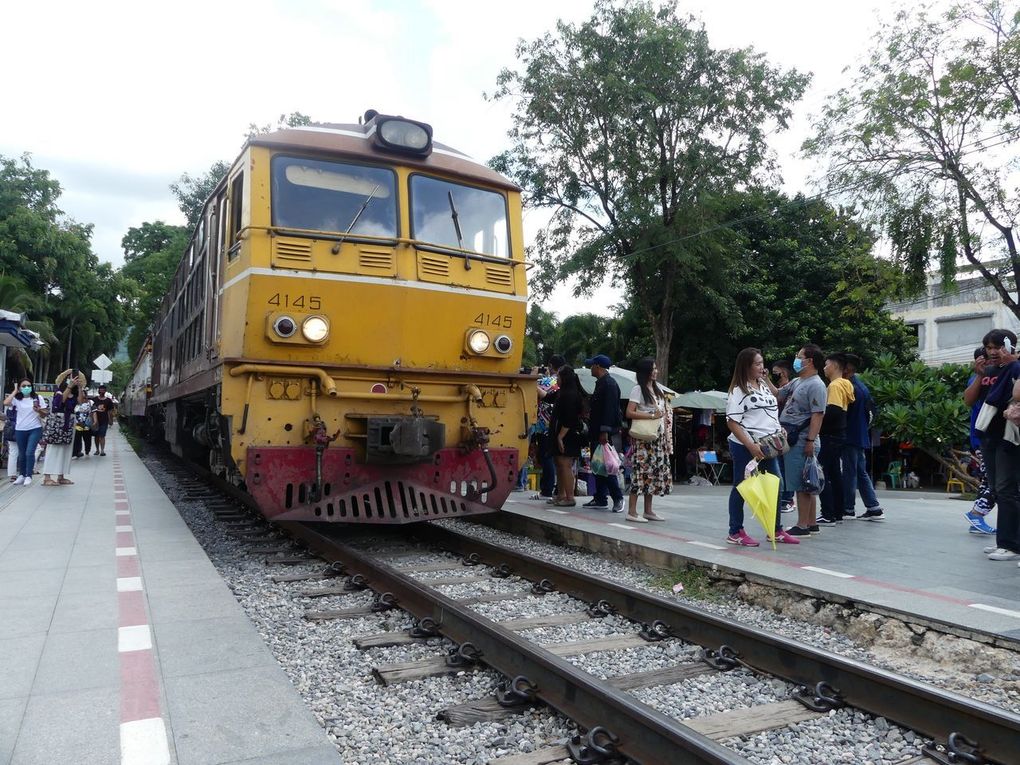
[(855, 476), (27, 441), (741, 456)]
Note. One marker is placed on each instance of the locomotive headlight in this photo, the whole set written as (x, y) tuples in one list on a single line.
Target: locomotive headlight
[(284, 326), (478, 341), (315, 329), (503, 344)]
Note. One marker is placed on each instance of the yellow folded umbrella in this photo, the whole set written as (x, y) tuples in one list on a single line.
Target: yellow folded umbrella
[(761, 492)]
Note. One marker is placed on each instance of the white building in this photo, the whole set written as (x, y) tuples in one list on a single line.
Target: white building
[(950, 325)]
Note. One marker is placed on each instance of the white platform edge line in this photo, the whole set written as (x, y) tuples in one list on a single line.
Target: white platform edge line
[(123, 552), (829, 572), (135, 638), (144, 742), (709, 545), (622, 526), (558, 512), (124, 528), (129, 584), (995, 610)]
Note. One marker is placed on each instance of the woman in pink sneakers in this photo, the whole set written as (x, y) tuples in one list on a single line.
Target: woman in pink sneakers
[(752, 413)]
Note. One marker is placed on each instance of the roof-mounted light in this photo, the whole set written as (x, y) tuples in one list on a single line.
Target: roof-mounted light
[(402, 135)]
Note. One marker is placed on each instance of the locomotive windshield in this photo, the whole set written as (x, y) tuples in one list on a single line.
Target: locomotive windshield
[(452, 215), (334, 196)]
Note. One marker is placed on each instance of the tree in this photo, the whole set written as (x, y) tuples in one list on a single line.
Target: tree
[(926, 137), (151, 255), (192, 191), (627, 127), (924, 405), (294, 119), (79, 302)]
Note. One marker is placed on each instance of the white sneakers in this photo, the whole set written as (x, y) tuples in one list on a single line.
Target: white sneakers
[(1000, 553), (19, 480), (28, 480)]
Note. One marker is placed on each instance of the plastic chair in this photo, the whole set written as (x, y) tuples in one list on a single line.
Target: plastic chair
[(894, 472), (954, 482)]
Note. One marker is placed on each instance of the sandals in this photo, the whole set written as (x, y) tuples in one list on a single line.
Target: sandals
[(565, 503), (65, 481), (50, 482)]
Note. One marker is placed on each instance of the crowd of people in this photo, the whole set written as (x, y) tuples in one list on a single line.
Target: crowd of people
[(64, 428), (571, 427), (810, 424)]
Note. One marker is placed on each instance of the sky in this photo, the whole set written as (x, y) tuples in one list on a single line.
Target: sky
[(117, 99)]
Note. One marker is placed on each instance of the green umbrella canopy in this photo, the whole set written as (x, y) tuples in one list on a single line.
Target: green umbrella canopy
[(697, 399)]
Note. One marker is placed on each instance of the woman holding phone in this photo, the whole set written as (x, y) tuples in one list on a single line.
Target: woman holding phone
[(28, 428)]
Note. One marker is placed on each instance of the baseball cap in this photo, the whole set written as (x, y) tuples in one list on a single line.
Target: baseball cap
[(601, 360)]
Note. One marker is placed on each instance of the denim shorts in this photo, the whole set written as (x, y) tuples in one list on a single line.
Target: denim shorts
[(793, 464)]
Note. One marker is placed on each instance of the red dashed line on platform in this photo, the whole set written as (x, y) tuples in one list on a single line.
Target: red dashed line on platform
[(143, 735)]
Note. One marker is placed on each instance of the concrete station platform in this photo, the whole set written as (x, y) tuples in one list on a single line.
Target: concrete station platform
[(119, 642), (920, 561)]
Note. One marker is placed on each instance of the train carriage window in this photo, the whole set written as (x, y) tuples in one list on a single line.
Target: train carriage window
[(317, 195), (236, 212), (454, 215)]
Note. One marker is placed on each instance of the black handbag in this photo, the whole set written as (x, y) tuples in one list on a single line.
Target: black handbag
[(10, 423), (59, 429)]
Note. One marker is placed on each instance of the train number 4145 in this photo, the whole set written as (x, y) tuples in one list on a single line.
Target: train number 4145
[(506, 321), (282, 299)]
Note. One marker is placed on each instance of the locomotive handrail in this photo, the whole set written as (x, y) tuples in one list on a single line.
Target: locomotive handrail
[(324, 379)]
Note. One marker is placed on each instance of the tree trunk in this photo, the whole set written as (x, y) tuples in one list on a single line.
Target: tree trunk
[(662, 332), (956, 470)]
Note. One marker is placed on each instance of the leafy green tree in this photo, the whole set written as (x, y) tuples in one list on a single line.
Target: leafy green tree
[(627, 126), (192, 191), (121, 375), (926, 136), (294, 119), (924, 405), (79, 302), (151, 254)]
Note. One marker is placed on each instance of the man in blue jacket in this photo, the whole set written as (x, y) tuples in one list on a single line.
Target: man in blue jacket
[(604, 421), (858, 439)]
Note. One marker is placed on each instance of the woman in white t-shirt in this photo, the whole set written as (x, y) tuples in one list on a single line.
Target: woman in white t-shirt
[(28, 427), (650, 460), (752, 412)]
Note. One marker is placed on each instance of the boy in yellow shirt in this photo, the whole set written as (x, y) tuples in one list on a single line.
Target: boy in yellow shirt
[(833, 432)]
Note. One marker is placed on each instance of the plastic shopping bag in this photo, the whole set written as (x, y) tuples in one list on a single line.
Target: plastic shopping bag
[(612, 459), (598, 461), (812, 478)]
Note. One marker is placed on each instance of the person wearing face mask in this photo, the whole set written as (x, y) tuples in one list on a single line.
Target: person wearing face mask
[(28, 428), (70, 393), (803, 402)]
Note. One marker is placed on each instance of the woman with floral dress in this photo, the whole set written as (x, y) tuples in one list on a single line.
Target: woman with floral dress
[(650, 459)]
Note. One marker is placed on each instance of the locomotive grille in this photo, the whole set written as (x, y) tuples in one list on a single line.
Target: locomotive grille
[(391, 500), (499, 276), (300, 252), (432, 267), (375, 260)]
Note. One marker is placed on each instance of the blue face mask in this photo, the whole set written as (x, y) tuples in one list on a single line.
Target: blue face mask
[(798, 364)]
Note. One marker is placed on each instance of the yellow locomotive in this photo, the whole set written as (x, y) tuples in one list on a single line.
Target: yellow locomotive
[(343, 337)]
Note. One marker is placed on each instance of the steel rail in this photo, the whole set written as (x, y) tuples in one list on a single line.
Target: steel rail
[(645, 735), (913, 704)]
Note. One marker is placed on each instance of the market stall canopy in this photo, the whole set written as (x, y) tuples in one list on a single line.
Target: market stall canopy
[(13, 333), (698, 399), (625, 378)]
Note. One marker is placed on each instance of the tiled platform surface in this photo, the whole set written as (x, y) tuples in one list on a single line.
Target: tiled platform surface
[(120, 644), (920, 560)]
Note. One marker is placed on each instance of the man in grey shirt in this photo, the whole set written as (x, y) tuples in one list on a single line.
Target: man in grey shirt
[(802, 414)]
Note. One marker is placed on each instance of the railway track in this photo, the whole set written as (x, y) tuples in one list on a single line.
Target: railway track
[(618, 726)]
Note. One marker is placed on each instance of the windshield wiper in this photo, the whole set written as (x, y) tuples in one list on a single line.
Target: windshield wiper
[(456, 227), (357, 215)]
